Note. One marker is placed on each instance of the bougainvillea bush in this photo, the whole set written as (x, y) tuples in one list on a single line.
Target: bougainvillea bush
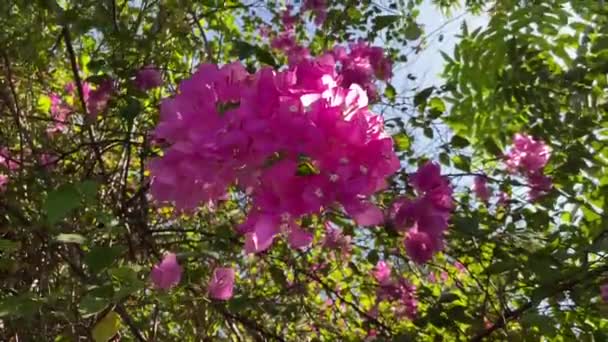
[(182, 170)]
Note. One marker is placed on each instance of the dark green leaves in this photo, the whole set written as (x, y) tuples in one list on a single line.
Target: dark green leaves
[(413, 31), (460, 142), (100, 258), (402, 142), (22, 305), (383, 21), (421, 97), (462, 162), (131, 109), (390, 92), (62, 201), (246, 50)]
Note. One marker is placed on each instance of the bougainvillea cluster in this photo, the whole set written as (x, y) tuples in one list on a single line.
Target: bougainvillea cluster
[(529, 157), (294, 141), (400, 292), (167, 273), (359, 63), (481, 189), (424, 218), (221, 285), (148, 77), (96, 100), (604, 293)]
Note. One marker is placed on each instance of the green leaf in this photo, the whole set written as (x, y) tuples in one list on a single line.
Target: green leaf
[(390, 92), (59, 203), (373, 257), (436, 107), (44, 103), (264, 56), (422, 96), (492, 146), (71, 238), (448, 297), (501, 266), (90, 305), (413, 31), (96, 65), (278, 276), (462, 162), (459, 142), (107, 327), (88, 189), (22, 305), (131, 109), (9, 246), (383, 21), (126, 281), (467, 225), (100, 257), (246, 50), (402, 142)]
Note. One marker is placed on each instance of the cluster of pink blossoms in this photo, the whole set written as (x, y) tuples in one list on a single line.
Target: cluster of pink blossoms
[(360, 63), (96, 101), (529, 157), (426, 217), (168, 273), (481, 189), (10, 162), (604, 293), (7, 164), (148, 77), (336, 240), (400, 292), (294, 141)]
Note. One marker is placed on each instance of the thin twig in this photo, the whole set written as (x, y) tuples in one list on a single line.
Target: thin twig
[(72, 56), (129, 322)]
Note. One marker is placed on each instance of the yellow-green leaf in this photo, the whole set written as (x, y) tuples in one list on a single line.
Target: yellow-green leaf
[(107, 327)]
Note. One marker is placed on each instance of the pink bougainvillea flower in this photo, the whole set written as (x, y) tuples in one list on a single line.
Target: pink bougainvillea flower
[(372, 335), (167, 273), (335, 239), (419, 246), (98, 98), (148, 77), (382, 272), (3, 182), (480, 188), (427, 178), (7, 161), (221, 285), (59, 114), (503, 198), (402, 294), (287, 19), (262, 235), (527, 154), (425, 218), (604, 293), (295, 142), (318, 8), (47, 160), (539, 185), (299, 238)]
